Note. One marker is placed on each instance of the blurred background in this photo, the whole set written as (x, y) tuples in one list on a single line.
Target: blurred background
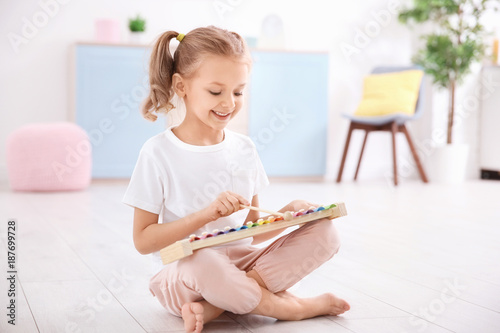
[(55, 53)]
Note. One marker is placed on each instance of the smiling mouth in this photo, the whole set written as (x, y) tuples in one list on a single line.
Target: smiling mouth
[(220, 114)]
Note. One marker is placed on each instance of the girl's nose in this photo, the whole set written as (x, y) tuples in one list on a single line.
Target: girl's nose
[(228, 102)]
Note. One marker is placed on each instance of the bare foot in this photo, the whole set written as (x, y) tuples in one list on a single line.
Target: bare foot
[(192, 313), (323, 305), (335, 306), (285, 306), (328, 304)]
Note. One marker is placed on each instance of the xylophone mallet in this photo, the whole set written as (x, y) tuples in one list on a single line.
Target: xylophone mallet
[(287, 215)]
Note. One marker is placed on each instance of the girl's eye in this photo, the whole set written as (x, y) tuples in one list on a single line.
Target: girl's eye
[(238, 93), (215, 93)]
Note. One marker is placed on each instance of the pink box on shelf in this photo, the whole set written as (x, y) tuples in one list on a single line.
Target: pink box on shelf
[(107, 31)]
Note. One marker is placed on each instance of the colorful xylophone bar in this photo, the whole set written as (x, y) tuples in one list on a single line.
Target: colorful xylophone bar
[(259, 222), (184, 248)]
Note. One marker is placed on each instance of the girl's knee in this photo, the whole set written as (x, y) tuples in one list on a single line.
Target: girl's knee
[(327, 237), (219, 282), (199, 263)]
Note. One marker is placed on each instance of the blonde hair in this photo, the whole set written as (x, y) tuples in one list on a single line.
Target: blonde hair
[(195, 45)]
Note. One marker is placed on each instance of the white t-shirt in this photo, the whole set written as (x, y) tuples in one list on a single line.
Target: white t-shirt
[(174, 179)]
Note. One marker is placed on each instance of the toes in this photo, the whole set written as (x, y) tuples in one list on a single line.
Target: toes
[(192, 313), (338, 305), (199, 327), (197, 310), (199, 318), (347, 307), (343, 305)]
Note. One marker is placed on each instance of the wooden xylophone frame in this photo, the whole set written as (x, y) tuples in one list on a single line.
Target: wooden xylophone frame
[(185, 247)]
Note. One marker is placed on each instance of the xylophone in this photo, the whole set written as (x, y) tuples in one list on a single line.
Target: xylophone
[(185, 247)]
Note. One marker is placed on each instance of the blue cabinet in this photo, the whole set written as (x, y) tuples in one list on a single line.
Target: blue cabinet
[(111, 82), (287, 109)]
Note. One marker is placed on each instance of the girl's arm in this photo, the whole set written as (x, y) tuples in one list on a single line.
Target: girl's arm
[(149, 236)]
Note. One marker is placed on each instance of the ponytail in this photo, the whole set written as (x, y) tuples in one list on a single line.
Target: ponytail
[(161, 69)]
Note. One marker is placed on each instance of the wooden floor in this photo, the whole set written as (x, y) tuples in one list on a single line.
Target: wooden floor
[(419, 258)]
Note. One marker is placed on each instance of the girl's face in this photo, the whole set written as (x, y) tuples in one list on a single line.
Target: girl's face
[(214, 95)]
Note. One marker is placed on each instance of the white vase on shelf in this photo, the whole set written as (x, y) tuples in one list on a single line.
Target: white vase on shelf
[(136, 37)]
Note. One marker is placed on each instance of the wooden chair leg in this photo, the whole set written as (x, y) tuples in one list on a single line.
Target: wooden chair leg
[(344, 155), (361, 154), (415, 155), (394, 130)]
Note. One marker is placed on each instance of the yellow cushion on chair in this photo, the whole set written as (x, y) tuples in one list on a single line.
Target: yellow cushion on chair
[(389, 93)]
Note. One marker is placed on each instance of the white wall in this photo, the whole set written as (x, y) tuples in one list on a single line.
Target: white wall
[(35, 87)]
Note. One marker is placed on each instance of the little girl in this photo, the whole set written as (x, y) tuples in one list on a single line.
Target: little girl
[(193, 178)]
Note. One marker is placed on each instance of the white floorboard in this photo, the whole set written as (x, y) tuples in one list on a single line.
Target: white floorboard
[(417, 258)]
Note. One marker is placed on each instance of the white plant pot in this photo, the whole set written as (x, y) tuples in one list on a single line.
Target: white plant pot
[(135, 37), (448, 164)]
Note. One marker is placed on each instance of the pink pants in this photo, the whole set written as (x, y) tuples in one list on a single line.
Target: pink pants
[(218, 275)]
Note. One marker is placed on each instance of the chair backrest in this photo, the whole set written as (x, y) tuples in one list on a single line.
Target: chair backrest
[(391, 69)]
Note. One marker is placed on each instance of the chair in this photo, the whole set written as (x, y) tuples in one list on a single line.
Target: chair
[(393, 123)]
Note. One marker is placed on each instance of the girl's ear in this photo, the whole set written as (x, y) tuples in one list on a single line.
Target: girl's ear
[(178, 85)]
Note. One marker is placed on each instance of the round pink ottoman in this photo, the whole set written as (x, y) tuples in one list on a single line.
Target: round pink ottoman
[(49, 157)]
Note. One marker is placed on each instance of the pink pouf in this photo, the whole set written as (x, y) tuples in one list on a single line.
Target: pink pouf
[(49, 157)]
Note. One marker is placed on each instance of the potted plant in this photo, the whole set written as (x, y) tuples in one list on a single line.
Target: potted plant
[(137, 26), (449, 51)]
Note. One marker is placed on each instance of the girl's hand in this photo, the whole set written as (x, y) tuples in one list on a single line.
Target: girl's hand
[(297, 205), (226, 203)]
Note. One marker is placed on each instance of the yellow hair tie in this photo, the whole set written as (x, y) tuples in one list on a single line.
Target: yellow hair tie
[(180, 37)]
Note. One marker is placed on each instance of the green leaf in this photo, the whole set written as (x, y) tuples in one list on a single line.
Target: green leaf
[(449, 53), (137, 24)]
